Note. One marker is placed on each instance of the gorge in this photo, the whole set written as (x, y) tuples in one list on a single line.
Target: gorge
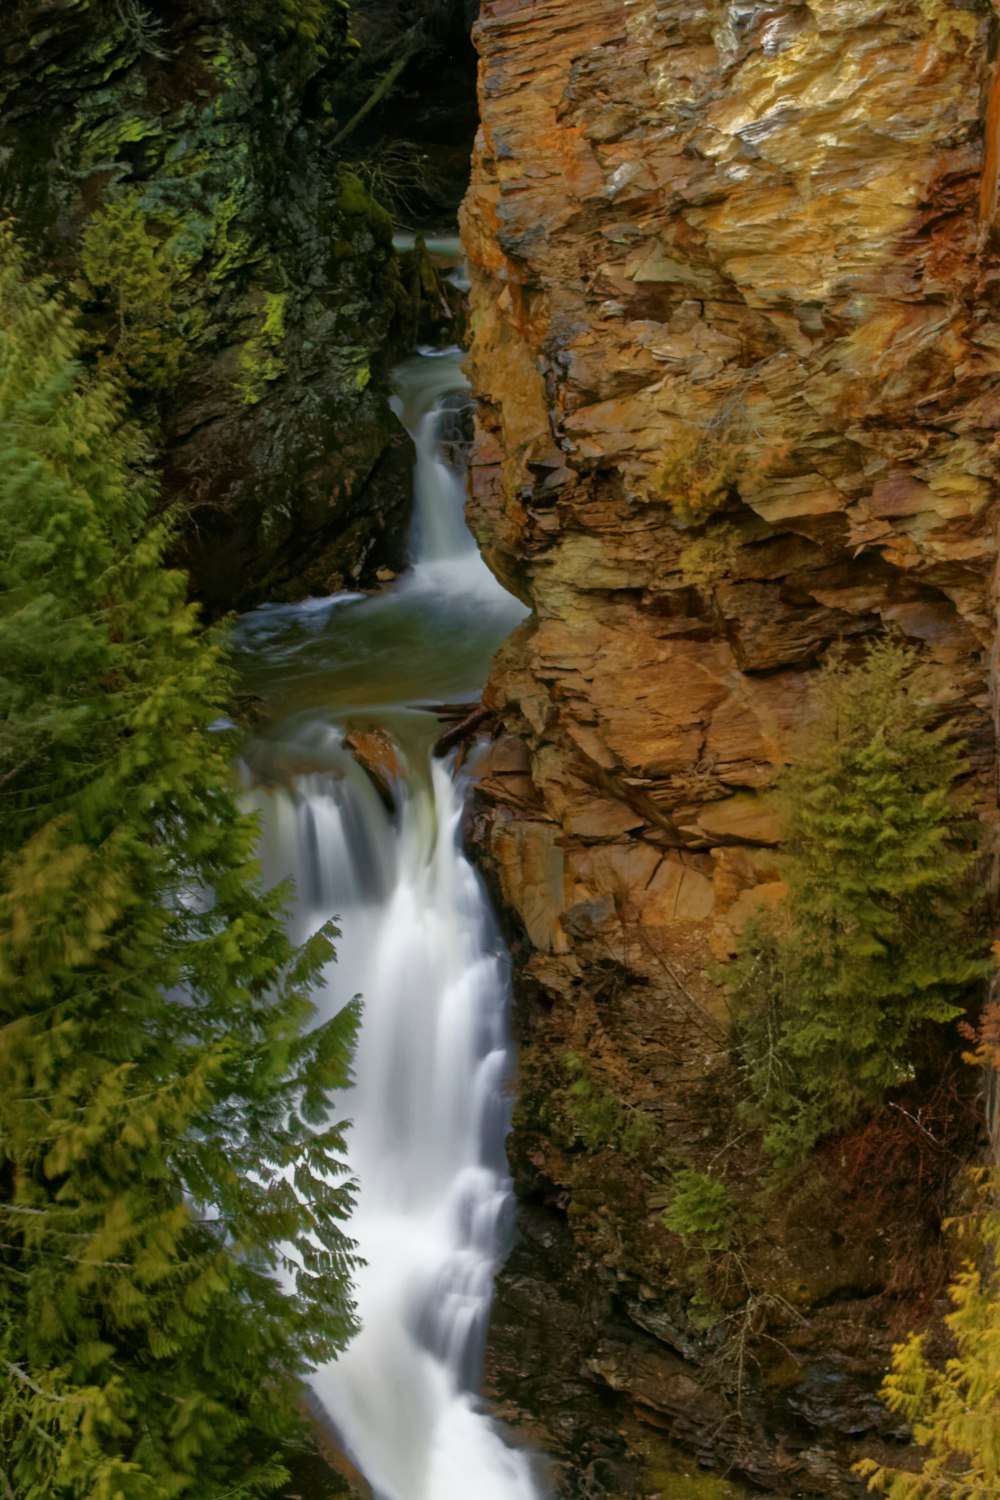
[(729, 412)]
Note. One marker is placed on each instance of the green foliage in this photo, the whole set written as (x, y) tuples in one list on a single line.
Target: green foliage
[(172, 1253), (875, 939), (126, 259), (954, 1409), (317, 22), (598, 1118), (702, 1210)]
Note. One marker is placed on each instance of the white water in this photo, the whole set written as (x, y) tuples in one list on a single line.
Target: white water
[(429, 1103)]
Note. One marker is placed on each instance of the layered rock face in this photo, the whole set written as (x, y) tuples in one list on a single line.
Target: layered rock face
[(735, 342)]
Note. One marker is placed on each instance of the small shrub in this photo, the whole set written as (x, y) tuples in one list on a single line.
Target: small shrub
[(699, 474), (875, 939), (702, 1210), (711, 556), (129, 267)]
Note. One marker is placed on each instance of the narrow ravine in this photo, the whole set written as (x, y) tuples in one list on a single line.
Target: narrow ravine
[(429, 1104)]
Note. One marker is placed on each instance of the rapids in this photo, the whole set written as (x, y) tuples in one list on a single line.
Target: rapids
[(429, 1102)]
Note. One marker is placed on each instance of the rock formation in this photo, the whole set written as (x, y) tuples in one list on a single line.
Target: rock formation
[(735, 339), (172, 165)]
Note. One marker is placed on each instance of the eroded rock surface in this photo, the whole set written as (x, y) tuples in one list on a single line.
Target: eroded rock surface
[(735, 341)]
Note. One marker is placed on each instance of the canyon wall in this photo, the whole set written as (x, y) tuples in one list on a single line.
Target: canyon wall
[(736, 344), (172, 167)]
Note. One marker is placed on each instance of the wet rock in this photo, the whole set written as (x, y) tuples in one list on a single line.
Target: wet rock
[(376, 753)]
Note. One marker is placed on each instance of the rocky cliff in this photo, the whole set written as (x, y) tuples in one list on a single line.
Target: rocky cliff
[(736, 342), (173, 166)]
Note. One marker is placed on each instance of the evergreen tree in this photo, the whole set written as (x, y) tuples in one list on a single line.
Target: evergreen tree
[(874, 939), (954, 1410), (172, 1253)]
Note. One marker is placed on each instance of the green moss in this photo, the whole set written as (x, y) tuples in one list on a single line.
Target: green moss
[(355, 201), (691, 1484), (259, 359)]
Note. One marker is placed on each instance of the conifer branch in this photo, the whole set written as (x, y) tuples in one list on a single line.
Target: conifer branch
[(37, 1390)]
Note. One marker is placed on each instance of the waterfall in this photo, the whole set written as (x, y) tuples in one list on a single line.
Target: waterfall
[(429, 1103)]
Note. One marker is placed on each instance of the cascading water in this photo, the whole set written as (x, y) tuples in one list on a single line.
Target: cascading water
[(418, 943)]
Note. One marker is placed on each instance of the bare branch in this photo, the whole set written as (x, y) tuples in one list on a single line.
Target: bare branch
[(20, 1375), (411, 46)]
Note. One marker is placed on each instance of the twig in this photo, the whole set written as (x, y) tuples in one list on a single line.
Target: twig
[(920, 1126)]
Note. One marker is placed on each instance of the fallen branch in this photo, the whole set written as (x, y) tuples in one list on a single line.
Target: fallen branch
[(462, 730), (411, 47)]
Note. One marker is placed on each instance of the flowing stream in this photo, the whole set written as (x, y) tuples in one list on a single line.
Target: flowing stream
[(418, 943)]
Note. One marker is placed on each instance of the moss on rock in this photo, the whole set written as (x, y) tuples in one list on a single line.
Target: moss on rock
[(172, 163)]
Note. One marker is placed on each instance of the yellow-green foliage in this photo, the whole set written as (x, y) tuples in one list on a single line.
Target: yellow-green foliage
[(699, 473), (954, 1409), (711, 556), (314, 21), (259, 359), (127, 262)]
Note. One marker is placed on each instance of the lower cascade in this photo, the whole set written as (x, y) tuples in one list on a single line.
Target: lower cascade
[(418, 943)]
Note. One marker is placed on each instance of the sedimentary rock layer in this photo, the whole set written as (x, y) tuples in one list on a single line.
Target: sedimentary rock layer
[(736, 345)]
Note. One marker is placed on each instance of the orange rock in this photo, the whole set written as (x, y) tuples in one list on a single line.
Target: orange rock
[(757, 249), (375, 751), (736, 349)]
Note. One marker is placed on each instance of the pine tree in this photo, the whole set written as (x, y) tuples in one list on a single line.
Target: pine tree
[(172, 1247), (955, 1409), (874, 940)]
